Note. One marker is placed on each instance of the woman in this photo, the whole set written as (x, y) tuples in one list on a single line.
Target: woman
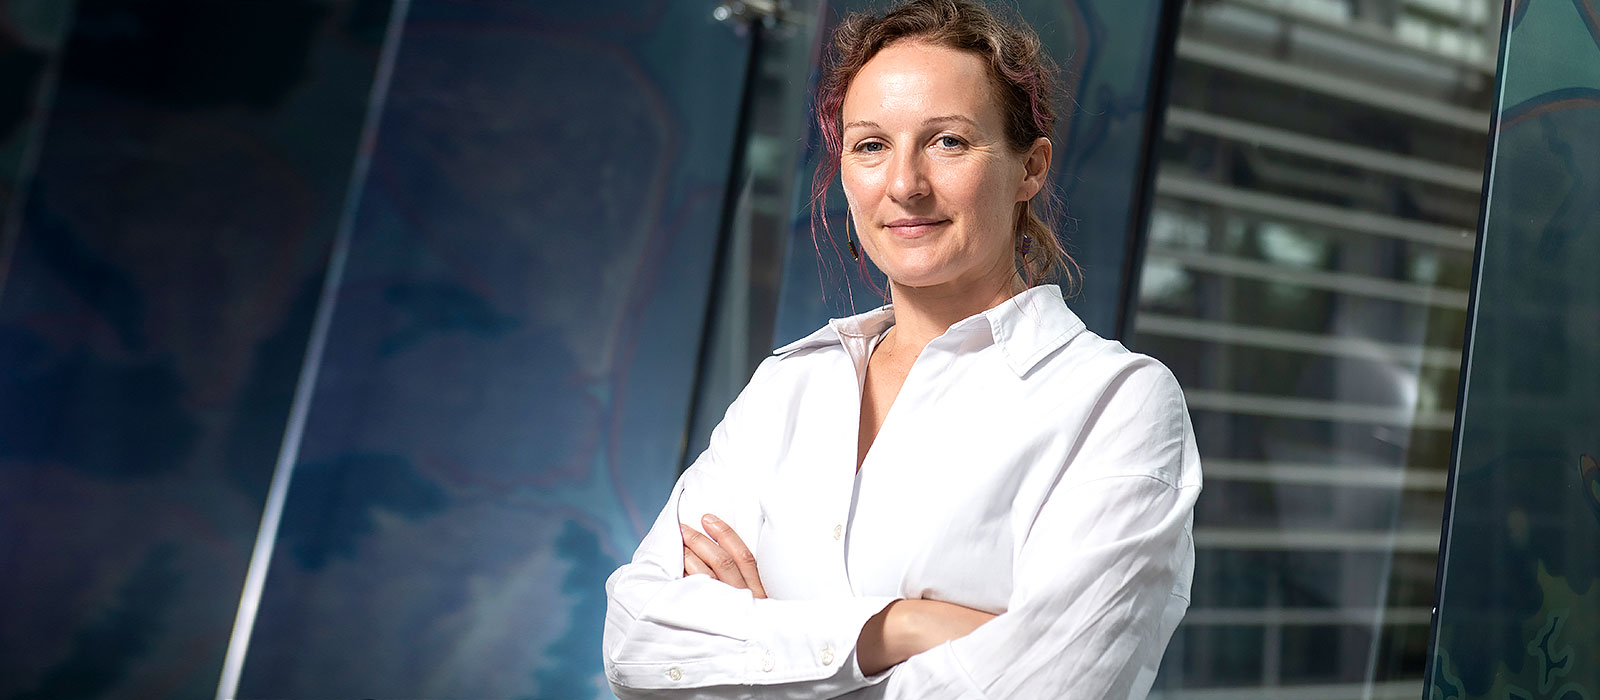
[(964, 494)]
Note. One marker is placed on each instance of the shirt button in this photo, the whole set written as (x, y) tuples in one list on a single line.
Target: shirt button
[(675, 674), (827, 656), (767, 662), (838, 531)]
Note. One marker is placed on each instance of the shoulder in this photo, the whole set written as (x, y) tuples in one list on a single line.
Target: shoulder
[(796, 363), (1107, 368), (1135, 421), (1123, 390)]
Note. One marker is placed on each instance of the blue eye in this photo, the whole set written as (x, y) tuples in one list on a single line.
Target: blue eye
[(870, 147), (949, 142)]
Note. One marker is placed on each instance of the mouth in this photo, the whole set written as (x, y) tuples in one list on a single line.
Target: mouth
[(914, 227)]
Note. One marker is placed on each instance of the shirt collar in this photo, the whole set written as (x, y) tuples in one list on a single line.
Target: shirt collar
[(1027, 327)]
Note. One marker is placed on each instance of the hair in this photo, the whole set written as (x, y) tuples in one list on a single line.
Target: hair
[(1024, 79)]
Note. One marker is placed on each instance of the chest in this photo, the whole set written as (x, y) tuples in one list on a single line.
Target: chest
[(956, 472), (882, 383)]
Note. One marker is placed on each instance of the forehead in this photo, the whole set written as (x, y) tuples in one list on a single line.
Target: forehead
[(911, 80)]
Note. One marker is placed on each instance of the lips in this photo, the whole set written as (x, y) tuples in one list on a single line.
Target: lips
[(914, 227)]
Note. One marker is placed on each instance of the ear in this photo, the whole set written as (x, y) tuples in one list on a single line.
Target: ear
[(1035, 168)]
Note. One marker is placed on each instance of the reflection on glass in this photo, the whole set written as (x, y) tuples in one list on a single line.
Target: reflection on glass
[(1309, 254)]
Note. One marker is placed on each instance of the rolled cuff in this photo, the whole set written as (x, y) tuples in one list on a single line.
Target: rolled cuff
[(806, 642)]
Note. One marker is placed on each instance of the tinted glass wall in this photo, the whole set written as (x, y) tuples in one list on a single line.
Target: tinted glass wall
[(1519, 605), (1306, 278)]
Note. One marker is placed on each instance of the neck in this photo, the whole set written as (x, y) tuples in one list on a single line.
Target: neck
[(924, 313)]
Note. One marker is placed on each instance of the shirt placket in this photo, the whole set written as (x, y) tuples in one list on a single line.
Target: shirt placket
[(936, 359), (844, 481)]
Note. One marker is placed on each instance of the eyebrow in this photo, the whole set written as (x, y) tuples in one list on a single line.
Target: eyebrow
[(926, 122)]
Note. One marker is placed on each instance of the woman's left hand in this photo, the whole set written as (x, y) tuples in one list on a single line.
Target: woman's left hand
[(722, 555)]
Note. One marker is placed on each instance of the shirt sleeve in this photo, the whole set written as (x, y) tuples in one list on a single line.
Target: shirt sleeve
[(1103, 576), (671, 636)]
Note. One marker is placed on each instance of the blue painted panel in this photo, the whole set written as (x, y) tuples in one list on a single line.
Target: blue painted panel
[(506, 384), (1519, 610), (153, 322)]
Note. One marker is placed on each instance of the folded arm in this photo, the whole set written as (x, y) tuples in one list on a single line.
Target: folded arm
[(672, 633), (1103, 576)]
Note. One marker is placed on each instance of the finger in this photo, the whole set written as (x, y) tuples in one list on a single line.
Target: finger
[(735, 547), (723, 568), (693, 565)]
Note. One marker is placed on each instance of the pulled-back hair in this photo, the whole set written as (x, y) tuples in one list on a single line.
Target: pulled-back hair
[(1022, 74)]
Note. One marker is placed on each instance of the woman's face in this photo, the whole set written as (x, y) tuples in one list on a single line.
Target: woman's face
[(931, 181)]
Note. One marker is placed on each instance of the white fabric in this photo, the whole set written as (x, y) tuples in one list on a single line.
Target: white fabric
[(1027, 468)]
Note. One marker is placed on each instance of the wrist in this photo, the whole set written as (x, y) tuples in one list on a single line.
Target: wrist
[(882, 643), (905, 630)]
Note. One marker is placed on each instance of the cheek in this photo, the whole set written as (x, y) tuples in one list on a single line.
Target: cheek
[(859, 183), (981, 191)]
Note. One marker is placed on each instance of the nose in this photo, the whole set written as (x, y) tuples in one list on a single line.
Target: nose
[(908, 176)]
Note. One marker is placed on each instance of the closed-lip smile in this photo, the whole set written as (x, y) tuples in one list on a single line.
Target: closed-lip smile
[(914, 226)]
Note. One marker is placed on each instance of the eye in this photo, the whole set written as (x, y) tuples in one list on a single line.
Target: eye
[(949, 142), (869, 147)]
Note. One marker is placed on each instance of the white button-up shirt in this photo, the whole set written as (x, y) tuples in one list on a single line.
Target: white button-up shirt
[(1027, 468)]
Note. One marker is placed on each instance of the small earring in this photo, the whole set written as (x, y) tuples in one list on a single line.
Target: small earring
[(850, 242), (1025, 245)]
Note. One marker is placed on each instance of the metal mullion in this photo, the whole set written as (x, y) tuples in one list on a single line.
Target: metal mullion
[(1224, 333), (1342, 283), (1317, 409), (1358, 476), (1321, 215), (1465, 179), (261, 556), (1386, 99), (1378, 38), (1306, 616), (1323, 540), (1389, 690)]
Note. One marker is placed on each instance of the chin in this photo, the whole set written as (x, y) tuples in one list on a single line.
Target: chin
[(909, 275), (919, 273), (919, 280)]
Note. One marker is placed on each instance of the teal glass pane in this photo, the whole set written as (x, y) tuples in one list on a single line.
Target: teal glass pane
[(1519, 606)]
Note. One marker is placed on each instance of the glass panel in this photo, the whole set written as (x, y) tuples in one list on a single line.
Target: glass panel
[(505, 389), (1308, 261), (169, 250), (1519, 609)]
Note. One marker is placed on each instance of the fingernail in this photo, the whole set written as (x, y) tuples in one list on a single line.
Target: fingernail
[(713, 521)]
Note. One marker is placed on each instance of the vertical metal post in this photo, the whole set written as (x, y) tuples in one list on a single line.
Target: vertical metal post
[(1163, 64), (752, 17)]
